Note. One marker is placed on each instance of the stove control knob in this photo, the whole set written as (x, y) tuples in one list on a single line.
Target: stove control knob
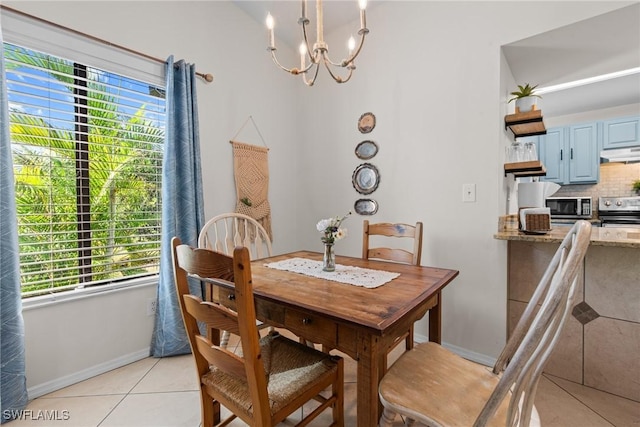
[(618, 203), (607, 203)]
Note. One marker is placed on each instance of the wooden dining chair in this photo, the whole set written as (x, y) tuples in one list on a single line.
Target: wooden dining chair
[(273, 376), (224, 232), (410, 253), (434, 386)]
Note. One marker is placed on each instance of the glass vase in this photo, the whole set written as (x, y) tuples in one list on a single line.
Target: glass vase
[(329, 258)]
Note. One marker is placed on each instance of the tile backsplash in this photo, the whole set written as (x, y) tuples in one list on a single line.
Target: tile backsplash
[(615, 181)]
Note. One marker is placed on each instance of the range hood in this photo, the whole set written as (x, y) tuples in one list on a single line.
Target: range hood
[(620, 155)]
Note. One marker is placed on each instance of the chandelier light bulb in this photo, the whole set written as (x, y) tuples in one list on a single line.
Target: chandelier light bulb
[(351, 44), (269, 21), (362, 4)]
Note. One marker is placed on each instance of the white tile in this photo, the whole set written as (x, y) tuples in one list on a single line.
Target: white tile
[(618, 411), (557, 408), (67, 412), (175, 409), (177, 373), (118, 381)]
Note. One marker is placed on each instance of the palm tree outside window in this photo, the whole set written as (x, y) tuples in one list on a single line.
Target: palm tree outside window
[(87, 150)]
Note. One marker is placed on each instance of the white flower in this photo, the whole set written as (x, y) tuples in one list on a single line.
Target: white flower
[(323, 224), (341, 233), (331, 229)]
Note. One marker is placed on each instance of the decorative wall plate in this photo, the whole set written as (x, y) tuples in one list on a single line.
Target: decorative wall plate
[(366, 122), (366, 150), (365, 206), (365, 178)]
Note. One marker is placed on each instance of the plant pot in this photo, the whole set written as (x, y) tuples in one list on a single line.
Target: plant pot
[(526, 104)]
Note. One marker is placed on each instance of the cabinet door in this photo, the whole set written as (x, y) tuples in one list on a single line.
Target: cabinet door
[(553, 154), (584, 154), (621, 133)]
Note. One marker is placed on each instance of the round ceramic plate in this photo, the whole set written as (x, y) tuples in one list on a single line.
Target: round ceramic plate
[(366, 122), (365, 178), (366, 150), (365, 206)]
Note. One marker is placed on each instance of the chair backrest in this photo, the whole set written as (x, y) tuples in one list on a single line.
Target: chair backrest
[(224, 232), (525, 354), (203, 264), (390, 230)]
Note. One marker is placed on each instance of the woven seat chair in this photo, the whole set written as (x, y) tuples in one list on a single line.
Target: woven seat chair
[(390, 233), (436, 387), (273, 376), (224, 232)]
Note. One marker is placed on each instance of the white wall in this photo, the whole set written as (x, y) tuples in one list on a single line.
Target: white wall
[(429, 71)]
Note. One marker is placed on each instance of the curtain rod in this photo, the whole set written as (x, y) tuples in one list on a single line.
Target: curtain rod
[(208, 77)]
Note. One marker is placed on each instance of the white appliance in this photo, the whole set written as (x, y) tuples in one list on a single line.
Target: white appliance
[(534, 194)]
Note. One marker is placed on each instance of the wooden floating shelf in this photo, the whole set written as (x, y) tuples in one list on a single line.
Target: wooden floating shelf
[(520, 169), (525, 124)]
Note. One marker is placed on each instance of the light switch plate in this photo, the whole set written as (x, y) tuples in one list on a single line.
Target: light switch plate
[(468, 193)]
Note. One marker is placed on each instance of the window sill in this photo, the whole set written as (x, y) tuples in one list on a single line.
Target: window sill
[(76, 294)]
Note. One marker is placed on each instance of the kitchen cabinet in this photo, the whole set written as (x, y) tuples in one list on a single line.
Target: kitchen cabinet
[(571, 154), (621, 133)]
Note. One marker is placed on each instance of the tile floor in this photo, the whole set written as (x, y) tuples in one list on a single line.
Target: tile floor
[(163, 393)]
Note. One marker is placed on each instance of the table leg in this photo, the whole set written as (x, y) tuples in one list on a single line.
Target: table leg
[(369, 365), (435, 321)]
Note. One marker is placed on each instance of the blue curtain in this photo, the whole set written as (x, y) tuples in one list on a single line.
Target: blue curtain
[(182, 202), (13, 382)]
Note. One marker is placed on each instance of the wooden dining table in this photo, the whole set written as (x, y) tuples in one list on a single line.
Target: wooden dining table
[(360, 322)]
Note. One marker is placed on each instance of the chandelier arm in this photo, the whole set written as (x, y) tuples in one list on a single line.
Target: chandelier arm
[(304, 23), (336, 77), (351, 58), (363, 32), (313, 80), (293, 70)]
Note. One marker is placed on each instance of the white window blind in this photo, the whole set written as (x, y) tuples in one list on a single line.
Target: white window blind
[(87, 152)]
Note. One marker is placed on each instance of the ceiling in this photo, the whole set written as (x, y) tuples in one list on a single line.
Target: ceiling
[(595, 46)]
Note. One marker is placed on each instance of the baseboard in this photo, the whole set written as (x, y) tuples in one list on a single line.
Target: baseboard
[(85, 374), (483, 359)]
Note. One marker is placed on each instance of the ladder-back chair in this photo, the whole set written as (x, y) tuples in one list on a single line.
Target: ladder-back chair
[(273, 376), (434, 386), (411, 254)]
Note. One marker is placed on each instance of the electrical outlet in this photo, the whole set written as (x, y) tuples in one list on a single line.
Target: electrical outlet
[(152, 305), (468, 192)]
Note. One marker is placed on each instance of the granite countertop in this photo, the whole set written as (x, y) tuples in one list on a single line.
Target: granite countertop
[(621, 237)]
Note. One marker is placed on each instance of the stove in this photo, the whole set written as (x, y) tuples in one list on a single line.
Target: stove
[(619, 211)]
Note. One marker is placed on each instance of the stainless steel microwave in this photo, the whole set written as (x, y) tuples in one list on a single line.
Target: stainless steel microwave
[(570, 207)]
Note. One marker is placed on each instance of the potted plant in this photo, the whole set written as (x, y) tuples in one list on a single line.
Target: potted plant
[(525, 98), (636, 186)]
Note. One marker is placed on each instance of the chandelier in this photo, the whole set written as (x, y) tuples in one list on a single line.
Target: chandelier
[(320, 52)]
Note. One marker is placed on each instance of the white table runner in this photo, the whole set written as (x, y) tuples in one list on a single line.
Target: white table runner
[(344, 273)]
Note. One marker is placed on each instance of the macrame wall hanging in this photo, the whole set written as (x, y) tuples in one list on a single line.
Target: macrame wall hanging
[(251, 172)]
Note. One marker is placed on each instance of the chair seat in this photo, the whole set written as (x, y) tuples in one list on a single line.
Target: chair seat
[(282, 360), (454, 388)]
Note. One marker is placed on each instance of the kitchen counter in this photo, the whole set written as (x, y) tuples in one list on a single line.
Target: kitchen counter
[(620, 237), (600, 342)]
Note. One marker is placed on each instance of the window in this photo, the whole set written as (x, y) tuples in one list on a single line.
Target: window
[(87, 153)]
